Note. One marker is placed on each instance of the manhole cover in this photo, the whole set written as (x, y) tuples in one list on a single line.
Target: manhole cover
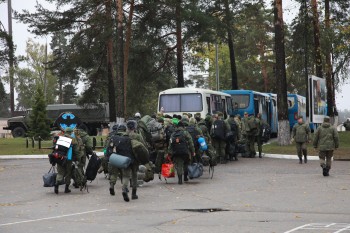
[(209, 210)]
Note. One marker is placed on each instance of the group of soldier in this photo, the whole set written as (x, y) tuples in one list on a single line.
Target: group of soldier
[(179, 143)]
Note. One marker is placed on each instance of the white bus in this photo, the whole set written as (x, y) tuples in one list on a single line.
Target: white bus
[(193, 100)]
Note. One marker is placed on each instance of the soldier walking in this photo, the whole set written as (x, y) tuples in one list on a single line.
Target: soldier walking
[(326, 141), (300, 134)]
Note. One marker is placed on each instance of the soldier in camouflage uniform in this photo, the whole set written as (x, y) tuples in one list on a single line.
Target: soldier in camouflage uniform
[(300, 134), (182, 160), (326, 140), (65, 171), (219, 142), (114, 172), (85, 147)]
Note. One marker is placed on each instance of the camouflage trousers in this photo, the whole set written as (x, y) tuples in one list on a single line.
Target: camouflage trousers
[(301, 149), (64, 172), (114, 173), (181, 164), (220, 147), (130, 173), (250, 145), (326, 158)]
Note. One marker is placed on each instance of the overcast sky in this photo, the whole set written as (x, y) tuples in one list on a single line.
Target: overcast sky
[(21, 35)]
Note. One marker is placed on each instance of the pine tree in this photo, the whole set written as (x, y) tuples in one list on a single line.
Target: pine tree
[(38, 121)]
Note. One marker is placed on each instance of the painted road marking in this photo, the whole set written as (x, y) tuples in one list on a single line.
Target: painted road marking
[(328, 227), (54, 217)]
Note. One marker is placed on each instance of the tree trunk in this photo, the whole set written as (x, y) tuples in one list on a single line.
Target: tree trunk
[(11, 58), (261, 47), (126, 50), (329, 81), (234, 78), (179, 58), (283, 123), (120, 57), (318, 58), (110, 73)]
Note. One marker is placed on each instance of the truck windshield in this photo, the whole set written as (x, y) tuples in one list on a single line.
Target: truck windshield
[(181, 102), (240, 101)]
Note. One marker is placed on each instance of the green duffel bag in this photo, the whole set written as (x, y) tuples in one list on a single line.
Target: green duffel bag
[(140, 152)]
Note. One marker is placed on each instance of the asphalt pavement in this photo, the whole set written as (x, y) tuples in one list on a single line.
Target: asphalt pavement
[(249, 195)]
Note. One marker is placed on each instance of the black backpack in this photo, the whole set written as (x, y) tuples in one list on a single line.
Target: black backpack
[(218, 130), (179, 144), (194, 133), (92, 167), (234, 130), (169, 130), (122, 146)]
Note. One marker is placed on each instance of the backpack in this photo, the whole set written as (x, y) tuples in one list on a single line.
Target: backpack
[(234, 129), (252, 124), (121, 145), (78, 176), (149, 174), (92, 167), (218, 130), (194, 134), (60, 150), (143, 130), (179, 144), (140, 151), (169, 130), (154, 127)]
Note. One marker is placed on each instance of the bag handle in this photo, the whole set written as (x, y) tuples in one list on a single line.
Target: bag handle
[(52, 170)]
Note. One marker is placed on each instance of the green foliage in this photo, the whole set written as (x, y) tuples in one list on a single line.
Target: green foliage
[(39, 123), (4, 102)]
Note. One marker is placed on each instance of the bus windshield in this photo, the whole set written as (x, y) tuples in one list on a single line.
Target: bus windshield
[(181, 102), (240, 101)]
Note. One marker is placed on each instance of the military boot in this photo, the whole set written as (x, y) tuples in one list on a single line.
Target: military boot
[(305, 158), (324, 169), (125, 194), (180, 179), (67, 190), (327, 170), (56, 188), (134, 195), (111, 189), (186, 176), (300, 160), (260, 154)]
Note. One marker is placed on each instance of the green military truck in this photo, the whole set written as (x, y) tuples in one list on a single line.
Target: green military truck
[(92, 117)]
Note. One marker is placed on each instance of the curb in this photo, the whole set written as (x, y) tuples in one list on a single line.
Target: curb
[(273, 156)]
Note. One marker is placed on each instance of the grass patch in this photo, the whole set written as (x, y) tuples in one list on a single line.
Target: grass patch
[(17, 146), (341, 152)]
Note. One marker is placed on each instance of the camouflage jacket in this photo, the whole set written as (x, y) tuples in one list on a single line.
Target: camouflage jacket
[(326, 138), (300, 132)]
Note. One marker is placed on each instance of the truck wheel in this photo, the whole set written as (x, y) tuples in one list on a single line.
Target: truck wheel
[(18, 132)]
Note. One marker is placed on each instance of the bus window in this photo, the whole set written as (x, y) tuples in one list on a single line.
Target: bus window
[(216, 104), (229, 105), (181, 102), (241, 100)]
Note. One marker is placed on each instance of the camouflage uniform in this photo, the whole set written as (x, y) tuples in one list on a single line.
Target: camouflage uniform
[(181, 162), (326, 140), (300, 134), (220, 144), (65, 171)]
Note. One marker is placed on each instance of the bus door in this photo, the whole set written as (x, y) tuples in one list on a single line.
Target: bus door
[(256, 104)]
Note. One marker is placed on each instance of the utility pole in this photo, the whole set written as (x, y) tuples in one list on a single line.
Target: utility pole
[(11, 58), (45, 73), (306, 63)]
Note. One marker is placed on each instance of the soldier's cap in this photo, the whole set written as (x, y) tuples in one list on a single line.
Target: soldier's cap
[(197, 114), (208, 118), (161, 120), (300, 117), (326, 119), (192, 121), (115, 127), (131, 124), (185, 119), (220, 114), (121, 128), (245, 113), (68, 130)]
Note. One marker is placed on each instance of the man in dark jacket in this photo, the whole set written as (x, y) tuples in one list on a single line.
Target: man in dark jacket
[(326, 141)]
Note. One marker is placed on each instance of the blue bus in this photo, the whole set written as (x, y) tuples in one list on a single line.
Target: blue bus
[(296, 107), (254, 102)]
